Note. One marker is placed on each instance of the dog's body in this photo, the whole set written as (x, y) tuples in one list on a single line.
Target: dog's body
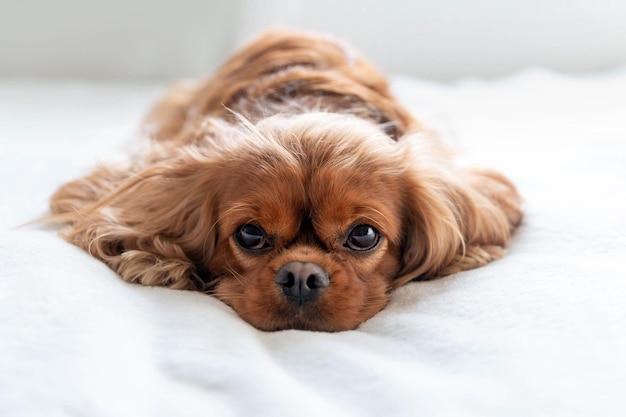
[(292, 186)]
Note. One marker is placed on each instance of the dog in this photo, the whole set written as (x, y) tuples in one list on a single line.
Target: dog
[(292, 186)]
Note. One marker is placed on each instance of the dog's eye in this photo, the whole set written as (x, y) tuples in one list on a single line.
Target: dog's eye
[(251, 237), (363, 237)]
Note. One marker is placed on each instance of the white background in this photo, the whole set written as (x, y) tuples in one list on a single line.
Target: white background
[(443, 39)]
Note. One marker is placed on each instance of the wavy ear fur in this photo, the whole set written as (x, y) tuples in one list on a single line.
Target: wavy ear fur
[(455, 219), (152, 226)]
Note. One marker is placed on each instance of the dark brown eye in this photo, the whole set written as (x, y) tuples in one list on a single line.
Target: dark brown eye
[(251, 237), (363, 237)]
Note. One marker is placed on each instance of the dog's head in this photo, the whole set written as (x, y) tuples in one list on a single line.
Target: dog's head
[(313, 217), (304, 221), (309, 229)]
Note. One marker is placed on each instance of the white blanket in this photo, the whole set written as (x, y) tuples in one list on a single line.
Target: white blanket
[(541, 332)]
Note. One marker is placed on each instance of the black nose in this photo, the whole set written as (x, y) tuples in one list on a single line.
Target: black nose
[(301, 281)]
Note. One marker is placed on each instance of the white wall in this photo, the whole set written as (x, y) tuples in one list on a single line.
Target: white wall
[(114, 38), (441, 39)]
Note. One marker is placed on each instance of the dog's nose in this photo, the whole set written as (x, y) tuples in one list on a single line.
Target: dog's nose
[(301, 281)]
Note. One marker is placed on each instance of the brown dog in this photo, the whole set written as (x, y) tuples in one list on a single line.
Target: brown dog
[(292, 186)]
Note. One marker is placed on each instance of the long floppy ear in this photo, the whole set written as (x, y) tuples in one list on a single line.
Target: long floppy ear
[(153, 226), (455, 219)]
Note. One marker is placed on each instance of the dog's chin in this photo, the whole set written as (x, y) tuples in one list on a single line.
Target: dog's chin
[(304, 317), (284, 315), (301, 319)]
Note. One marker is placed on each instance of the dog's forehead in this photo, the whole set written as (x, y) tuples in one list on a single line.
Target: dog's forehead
[(332, 170), (341, 199), (281, 197)]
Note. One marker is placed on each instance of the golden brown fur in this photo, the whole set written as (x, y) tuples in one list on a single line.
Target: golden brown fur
[(296, 146)]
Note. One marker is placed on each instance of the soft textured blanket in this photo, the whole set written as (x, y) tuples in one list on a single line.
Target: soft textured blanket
[(541, 332)]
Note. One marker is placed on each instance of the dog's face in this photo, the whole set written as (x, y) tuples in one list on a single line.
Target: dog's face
[(309, 223)]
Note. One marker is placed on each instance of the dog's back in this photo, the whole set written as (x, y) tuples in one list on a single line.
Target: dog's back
[(284, 73)]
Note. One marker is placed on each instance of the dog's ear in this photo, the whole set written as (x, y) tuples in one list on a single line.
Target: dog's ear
[(455, 219), (153, 226)]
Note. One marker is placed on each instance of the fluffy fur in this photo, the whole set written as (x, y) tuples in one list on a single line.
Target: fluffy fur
[(300, 137)]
